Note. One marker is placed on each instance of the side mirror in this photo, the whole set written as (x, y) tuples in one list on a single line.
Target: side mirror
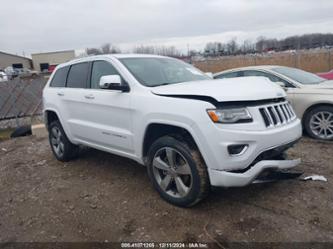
[(112, 82)]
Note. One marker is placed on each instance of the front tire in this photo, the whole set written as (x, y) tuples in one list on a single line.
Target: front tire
[(318, 123), (61, 147), (177, 172)]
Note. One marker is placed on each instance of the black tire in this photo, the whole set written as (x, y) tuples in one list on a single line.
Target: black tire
[(69, 150), (21, 131), (200, 185), (309, 116)]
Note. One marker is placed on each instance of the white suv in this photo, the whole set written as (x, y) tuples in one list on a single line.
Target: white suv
[(190, 131)]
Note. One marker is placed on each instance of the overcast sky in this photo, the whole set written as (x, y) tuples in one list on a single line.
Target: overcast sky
[(46, 25)]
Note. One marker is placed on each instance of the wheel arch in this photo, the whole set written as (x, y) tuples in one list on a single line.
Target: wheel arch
[(311, 107), (50, 116), (154, 131)]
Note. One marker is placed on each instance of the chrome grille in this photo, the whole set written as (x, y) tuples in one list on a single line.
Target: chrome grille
[(278, 114)]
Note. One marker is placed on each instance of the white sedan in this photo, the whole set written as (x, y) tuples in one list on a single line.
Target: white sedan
[(310, 95)]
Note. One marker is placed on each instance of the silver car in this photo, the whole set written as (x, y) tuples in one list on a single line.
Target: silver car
[(310, 95)]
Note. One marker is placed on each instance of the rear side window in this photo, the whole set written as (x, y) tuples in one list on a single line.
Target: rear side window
[(272, 78), (59, 78), (77, 76)]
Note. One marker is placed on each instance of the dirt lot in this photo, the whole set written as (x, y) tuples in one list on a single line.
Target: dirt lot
[(103, 197)]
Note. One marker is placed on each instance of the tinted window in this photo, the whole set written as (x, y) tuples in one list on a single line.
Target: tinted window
[(101, 68), (77, 76), (59, 78), (228, 75), (271, 77)]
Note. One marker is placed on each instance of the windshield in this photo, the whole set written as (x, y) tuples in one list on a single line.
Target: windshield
[(162, 71), (298, 75)]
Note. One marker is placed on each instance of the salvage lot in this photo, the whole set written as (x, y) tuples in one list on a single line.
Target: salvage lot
[(102, 197)]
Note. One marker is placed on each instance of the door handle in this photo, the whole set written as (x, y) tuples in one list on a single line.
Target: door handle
[(60, 94), (89, 96)]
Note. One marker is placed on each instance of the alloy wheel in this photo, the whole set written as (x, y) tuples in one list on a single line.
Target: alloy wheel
[(57, 142), (172, 172), (321, 124)]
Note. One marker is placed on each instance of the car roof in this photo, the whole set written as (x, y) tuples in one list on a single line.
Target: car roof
[(105, 56)]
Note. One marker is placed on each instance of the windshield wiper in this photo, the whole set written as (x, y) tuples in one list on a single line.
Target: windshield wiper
[(164, 84), (171, 83)]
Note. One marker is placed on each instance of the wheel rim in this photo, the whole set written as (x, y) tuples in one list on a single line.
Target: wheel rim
[(321, 125), (172, 172), (56, 141)]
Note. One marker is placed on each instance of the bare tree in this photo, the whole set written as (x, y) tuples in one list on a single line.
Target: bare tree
[(107, 48), (160, 50), (232, 46), (263, 44), (247, 47), (93, 51)]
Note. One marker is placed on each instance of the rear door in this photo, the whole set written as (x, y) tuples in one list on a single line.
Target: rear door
[(73, 100), (54, 95), (108, 114)]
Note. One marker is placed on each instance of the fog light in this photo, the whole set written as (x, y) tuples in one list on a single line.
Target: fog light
[(237, 149)]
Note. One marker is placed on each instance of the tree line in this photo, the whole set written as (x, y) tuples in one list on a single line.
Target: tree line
[(263, 44), (142, 49), (232, 47)]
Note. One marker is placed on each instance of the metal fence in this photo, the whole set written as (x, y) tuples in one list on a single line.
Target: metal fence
[(21, 98)]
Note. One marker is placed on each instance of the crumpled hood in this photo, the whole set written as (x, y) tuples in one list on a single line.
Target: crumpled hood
[(222, 90)]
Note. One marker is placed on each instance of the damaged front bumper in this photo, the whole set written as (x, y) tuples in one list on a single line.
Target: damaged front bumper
[(220, 178)]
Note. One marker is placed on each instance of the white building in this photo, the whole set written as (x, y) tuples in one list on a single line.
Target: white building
[(48, 61)]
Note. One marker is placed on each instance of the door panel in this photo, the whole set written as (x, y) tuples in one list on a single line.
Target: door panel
[(101, 117), (97, 117), (72, 98), (107, 119)]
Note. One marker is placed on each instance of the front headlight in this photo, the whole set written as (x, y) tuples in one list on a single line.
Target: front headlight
[(235, 115)]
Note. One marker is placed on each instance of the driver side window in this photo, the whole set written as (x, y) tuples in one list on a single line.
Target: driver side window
[(99, 69)]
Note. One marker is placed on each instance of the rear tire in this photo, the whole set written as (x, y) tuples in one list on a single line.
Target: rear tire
[(177, 171), (61, 147), (318, 123)]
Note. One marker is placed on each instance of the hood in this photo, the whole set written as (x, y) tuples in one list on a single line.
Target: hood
[(224, 90)]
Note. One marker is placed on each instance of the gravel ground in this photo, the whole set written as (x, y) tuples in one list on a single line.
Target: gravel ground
[(101, 197)]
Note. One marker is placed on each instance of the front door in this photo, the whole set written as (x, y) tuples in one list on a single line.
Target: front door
[(107, 112)]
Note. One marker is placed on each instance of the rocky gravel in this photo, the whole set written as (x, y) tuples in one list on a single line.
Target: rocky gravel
[(102, 197)]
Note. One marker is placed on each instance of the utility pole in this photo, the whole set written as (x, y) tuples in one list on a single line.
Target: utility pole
[(188, 53)]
